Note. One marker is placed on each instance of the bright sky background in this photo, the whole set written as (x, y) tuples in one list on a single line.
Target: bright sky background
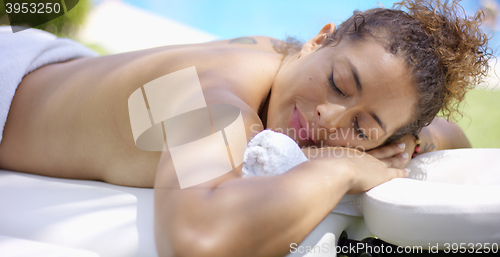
[(302, 19)]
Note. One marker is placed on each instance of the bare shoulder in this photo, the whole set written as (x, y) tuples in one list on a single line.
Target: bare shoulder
[(261, 43), (237, 76), (246, 73)]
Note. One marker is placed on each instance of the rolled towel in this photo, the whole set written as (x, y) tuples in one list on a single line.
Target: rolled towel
[(271, 153)]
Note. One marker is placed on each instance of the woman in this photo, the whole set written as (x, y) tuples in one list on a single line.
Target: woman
[(379, 78)]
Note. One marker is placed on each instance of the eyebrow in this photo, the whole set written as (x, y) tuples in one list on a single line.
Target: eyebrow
[(377, 119), (359, 87), (354, 71)]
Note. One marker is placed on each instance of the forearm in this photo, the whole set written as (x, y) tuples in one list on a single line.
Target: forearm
[(257, 216), (442, 135)]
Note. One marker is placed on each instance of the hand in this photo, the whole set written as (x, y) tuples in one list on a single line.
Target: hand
[(364, 170), (396, 155)]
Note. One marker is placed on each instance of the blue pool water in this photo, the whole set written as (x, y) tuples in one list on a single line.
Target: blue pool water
[(280, 18)]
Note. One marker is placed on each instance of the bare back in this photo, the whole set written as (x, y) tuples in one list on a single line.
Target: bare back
[(71, 119)]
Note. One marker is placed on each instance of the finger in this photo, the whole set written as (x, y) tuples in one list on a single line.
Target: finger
[(396, 173), (397, 161), (392, 173), (399, 173), (388, 150)]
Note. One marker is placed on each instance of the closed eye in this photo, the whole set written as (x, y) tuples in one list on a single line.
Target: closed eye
[(334, 87), (359, 130)]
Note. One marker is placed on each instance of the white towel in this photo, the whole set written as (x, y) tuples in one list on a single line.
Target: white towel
[(271, 153), (26, 51)]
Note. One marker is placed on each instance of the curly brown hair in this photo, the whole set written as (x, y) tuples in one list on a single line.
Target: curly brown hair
[(444, 49)]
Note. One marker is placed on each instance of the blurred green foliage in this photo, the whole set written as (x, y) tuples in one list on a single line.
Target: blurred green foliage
[(63, 26), (99, 49), (481, 121)]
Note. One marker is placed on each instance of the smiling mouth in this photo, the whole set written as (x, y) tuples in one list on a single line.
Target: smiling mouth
[(297, 122)]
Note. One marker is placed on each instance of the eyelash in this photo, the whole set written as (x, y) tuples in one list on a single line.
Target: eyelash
[(335, 88), (360, 132), (356, 124)]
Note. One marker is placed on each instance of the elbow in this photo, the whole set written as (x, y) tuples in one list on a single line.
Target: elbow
[(183, 240), (459, 139), (449, 135), (202, 246)]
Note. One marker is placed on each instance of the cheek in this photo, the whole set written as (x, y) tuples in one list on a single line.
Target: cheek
[(348, 137), (310, 94), (307, 81), (400, 112)]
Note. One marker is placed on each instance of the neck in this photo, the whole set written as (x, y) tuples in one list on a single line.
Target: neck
[(264, 106), (263, 109)]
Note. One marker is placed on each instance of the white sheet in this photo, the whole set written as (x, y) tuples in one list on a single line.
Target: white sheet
[(16, 247), (102, 218)]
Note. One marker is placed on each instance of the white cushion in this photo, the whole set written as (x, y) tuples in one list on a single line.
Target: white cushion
[(453, 197)]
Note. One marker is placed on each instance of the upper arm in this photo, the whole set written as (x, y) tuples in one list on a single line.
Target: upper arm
[(441, 135), (175, 207), (450, 134), (248, 120)]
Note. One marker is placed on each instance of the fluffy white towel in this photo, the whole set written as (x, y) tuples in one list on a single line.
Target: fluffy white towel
[(26, 51), (271, 153)]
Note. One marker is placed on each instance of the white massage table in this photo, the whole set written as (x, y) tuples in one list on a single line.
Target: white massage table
[(43, 216), (458, 200)]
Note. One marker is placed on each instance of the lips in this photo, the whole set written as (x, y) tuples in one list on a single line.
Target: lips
[(299, 123)]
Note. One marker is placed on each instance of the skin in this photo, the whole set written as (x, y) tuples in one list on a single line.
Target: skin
[(333, 115), (71, 120), (57, 121)]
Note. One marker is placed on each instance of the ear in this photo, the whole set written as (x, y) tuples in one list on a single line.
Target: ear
[(318, 40)]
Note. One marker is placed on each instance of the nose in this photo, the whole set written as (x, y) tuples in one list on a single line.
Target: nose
[(331, 116)]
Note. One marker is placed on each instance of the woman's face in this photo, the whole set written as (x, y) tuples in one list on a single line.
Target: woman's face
[(350, 95)]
